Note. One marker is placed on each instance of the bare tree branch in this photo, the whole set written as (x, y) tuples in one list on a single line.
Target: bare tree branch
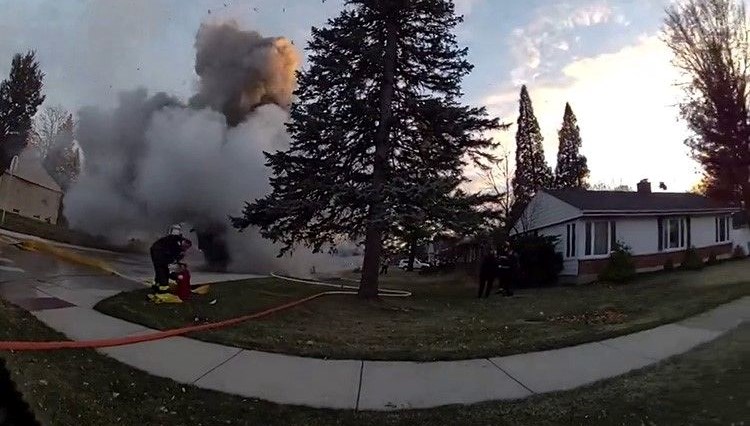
[(46, 127)]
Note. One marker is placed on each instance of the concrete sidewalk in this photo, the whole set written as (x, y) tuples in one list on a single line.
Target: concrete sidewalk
[(380, 385), (64, 300)]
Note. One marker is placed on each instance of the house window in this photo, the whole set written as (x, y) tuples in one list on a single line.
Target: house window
[(599, 237), (722, 229), (570, 241), (673, 233)]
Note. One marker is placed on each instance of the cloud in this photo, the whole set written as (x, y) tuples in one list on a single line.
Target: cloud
[(626, 107), (563, 45), (547, 34), (589, 15)]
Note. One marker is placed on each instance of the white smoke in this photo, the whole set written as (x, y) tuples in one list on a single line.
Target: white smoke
[(153, 161)]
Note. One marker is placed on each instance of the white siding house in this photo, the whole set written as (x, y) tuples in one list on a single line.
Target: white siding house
[(657, 227), (30, 191), (741, 231)]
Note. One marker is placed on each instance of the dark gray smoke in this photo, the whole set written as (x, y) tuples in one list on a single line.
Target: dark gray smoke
[(153, 161)]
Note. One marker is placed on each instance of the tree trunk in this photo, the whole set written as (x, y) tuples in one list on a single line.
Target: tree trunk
[(746, 197), (412, 253), (368, 287)]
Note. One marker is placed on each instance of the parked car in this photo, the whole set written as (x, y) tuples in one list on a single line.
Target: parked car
[(418, 264)]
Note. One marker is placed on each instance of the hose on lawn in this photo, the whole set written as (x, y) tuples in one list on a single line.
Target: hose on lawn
[(129, 340), (382, 292)]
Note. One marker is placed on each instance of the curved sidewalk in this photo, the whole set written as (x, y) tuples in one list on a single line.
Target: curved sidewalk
[(389, 385), (62, 297)]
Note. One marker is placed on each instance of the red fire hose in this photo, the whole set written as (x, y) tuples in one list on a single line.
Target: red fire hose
[(129, 340)]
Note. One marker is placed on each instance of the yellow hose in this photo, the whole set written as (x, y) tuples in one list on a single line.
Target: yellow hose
[(32, 245)]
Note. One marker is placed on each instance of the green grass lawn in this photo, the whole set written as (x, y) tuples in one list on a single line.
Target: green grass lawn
[(442, 320), (25, 225), (82, 387)]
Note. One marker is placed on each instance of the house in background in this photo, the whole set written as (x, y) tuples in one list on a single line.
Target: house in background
[(741, 230), (30, 191), (656, 226)]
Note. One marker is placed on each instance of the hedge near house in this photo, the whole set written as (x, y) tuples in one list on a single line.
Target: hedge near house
[(692, 260), (539, 264), (621, 267)]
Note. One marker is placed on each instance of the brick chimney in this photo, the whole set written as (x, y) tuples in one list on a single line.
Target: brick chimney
[(644, 187)]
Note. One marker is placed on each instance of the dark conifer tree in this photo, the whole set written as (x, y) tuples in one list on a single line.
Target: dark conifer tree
[(20, 97), (572, 169), (532, 171), (377, 114)]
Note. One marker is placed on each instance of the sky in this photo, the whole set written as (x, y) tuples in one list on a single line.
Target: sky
[(605, 57)]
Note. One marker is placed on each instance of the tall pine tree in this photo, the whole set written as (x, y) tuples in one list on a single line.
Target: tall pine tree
[(532, 171), (572, 169), (377, 116), (20, 96)]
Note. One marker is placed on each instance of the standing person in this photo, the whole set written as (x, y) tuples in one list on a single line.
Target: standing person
[(384, 266), (164, 252), (487, 274), (506, 272)]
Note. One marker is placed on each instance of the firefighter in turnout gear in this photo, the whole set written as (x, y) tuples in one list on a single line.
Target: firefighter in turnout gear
[(164, 252)]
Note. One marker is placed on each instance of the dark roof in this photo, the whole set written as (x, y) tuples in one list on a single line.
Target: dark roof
[(621, 201)]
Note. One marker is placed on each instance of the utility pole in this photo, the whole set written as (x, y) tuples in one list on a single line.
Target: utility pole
[(11, 170)]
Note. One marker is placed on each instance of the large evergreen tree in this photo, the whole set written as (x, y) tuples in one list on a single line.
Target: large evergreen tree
[(20, 96), (532, 171), (572, 168), (377, 115), (711, 46)]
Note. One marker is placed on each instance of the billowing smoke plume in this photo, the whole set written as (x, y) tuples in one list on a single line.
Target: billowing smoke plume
[(153, 161), (240, 70)]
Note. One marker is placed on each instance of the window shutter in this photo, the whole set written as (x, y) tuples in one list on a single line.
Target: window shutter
[(612, 235), (588, 238), (573, 241), (682, 233), (716, 221), (660, 228), (688, 234)]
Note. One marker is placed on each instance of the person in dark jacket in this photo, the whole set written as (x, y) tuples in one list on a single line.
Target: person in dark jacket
[(506, 273), (164, 252), (487, 274), (384, 265)]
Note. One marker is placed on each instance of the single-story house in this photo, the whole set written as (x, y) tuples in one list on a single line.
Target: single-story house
[(741, 230), (656, 227), (30, 191)]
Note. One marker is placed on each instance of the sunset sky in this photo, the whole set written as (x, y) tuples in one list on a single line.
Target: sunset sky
[(604, 57)]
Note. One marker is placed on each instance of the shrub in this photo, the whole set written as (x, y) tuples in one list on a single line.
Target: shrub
[(621, 267), (712, 260), (692, 260), (538, 262), (669, 264), (739, 253)]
